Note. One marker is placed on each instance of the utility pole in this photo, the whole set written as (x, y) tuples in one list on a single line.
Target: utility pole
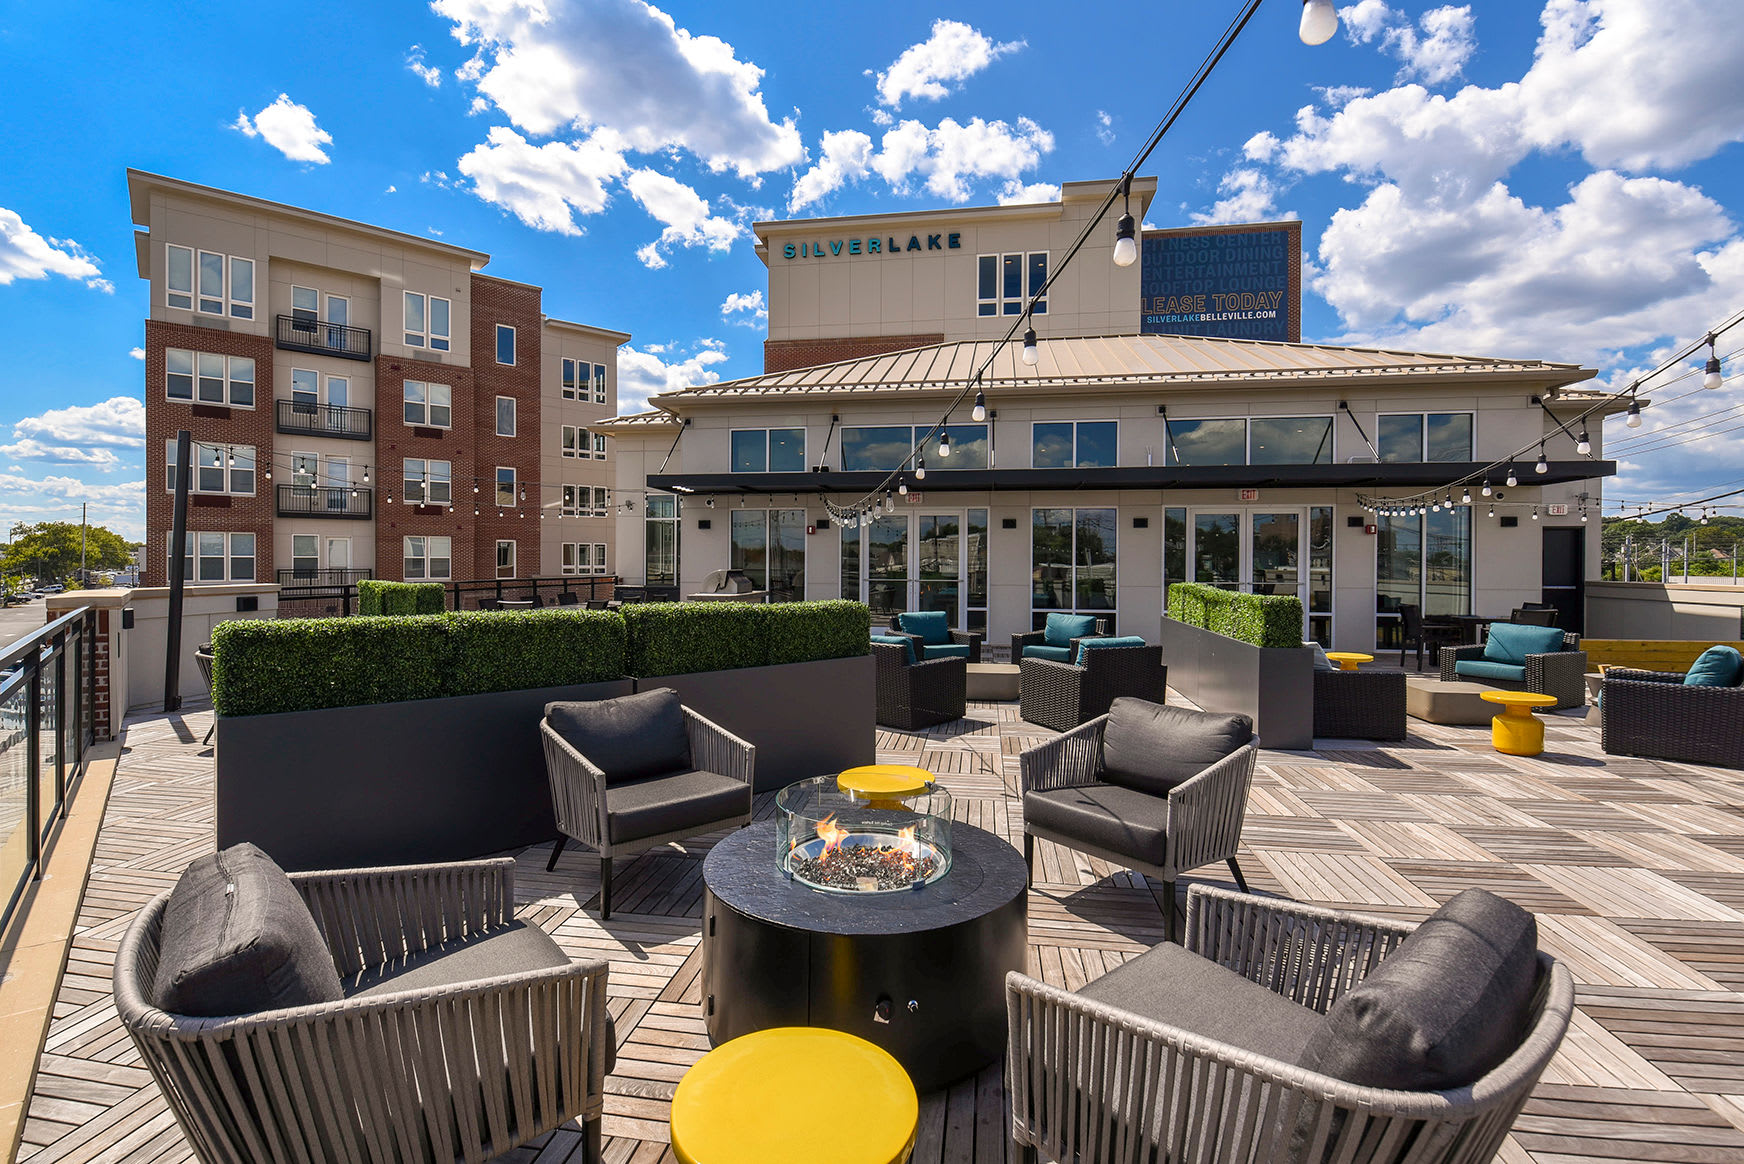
[(83, 506)]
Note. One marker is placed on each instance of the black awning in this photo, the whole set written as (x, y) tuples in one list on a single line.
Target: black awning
[(1413, 477)]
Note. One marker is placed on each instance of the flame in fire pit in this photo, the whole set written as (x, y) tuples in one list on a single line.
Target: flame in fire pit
[(906, 842), (832, 834)]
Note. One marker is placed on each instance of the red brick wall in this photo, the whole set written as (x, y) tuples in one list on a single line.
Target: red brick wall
[(786, 355), (238, 426), (495, 301), (396, 440)]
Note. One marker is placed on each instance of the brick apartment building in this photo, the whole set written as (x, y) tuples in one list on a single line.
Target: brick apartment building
[(362, 402)]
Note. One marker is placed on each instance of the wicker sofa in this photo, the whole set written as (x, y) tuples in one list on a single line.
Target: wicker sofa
[(1063, 695), (1655, 714), (1560, 673), (919, 694), (932, 639), (1039, 638)]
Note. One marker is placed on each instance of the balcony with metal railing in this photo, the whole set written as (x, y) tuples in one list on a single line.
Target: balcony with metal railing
[(307, 418), (341, 501), (322, 577), (299, 333)]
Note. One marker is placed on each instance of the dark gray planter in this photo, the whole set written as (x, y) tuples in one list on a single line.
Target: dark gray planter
[(1272, 685), (807, 719), (391, 783)]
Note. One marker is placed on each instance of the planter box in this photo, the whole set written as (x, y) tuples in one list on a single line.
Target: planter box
[(1272, 685), (391, 783), (807, 719)]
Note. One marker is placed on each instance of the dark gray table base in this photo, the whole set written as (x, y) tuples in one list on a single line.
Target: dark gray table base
[(931, 962)]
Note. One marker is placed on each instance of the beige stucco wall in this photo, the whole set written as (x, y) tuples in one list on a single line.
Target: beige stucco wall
[(203, 607), (591, 346), (1653, 610)]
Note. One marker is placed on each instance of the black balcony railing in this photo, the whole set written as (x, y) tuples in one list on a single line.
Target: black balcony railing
[(306, 418), (299, 334), (321, 577), (326, 501)]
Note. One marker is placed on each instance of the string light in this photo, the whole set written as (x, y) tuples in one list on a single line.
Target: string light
[(1711, 377), (1542, 466), (1633, 418), (1126, 231), (920, 468), (979, 412), (902, 486), (1492, 511), (366, 474), (1534, 513), (1465, 496), (1512, 479), (944, 444), (1584, 446), (1030, 353), (1487, 489), (1319, 22)]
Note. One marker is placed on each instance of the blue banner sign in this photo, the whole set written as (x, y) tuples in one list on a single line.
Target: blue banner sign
[(1232, 282)]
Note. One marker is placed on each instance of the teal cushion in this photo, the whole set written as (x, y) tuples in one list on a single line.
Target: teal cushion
[(903, 641), (1122, 641), (1057, 654), (1717, 667), (957, 650), (933, 627), (1061, 629), (1512, 642), (1487, 669)]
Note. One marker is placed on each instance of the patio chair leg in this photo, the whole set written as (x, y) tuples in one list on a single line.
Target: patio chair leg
[(1029, 858), (209, 732), (1023, 1153), (1235, 871), (556, 851), (592, 1150), (1169, 913), (605, 888)]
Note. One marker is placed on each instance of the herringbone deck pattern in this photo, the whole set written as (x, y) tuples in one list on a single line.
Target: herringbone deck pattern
[(1633, 867)]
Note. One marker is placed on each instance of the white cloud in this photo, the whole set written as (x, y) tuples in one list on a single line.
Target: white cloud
[(947, 159), (24, 254), (32, 450), (429, 74), (1014, 192), (847, 157), (1249, 195), (642, 374), (289, 128), (56, 498), (953, 52), (1434, 52), (544, 186), (685, 214), (116, 423), (136, 353), (1104, 127), (553, 66), (749, 303)]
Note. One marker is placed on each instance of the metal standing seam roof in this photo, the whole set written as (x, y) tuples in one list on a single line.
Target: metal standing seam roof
[(1154, 360)]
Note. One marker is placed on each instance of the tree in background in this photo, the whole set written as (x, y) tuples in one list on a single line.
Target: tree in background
[(1711, 546), (50, 550)]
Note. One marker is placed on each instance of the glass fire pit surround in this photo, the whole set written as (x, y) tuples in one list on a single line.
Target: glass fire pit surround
[(878, 834)]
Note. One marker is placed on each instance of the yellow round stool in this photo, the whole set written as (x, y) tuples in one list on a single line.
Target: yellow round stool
[(1516, 731), (884, 785), (1348, 660), (795, 1094)]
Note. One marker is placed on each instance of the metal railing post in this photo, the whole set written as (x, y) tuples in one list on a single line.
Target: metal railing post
[(60, 718), (33, 760)]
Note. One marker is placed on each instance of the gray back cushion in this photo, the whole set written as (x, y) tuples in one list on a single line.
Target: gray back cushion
[(628, 738), (1442, 1010), (1152, 747), (238, 939)]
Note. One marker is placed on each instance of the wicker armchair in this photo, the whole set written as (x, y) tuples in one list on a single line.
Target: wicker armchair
[(1063, 695), (961, 638), (1654, 714), (582, 798), (1037, 638), (1359, 705), (1092, 1081), (1559, 673), (462, 1071), (1200, 820), (918, 695)]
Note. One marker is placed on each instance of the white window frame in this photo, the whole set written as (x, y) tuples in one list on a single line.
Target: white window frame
[(171, 292), (1114, 420), (230, 379), (227, 556), (513, 549), (428, 543), (428, 404), (571, 440), (510, 401), (514, 351), (513, 487), (602, 501), (599, 446), (1002, 304), (599, 558), (240, 308), (316, 538), (228, 455), (571, 501), (421, 482), (201, 298), (599, 384), (427, 336), (566, 377)]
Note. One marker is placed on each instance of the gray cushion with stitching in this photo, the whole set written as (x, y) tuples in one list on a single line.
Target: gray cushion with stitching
[(674, 801), (627, 738), (1153, 747), (1107, 816)]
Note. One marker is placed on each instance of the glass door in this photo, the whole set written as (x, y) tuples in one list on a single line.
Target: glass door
[(1214, 557), (1279, 552), (1275, 542), (914, 562)]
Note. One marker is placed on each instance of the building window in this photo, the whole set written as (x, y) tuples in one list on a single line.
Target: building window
[(1206, 442), (599, 446), (881, 448), (429, 405), (505, 344), (599, 383), (571, 439), (427, 319), (1423, 560), (211, 275), (769, 450), (224, 282), (568, 379), (428, 559), (1080, 444), (505, 486), (505, 416), (241, 288), (574, 500), (602, 500), (769, 546), (179, 277), (217, 468), (1289, 440), (505, 559), (428, 482), (215, 557), (1413, 437), (305, 555), (1005, 282), (575, 557), (224, 380), (1072, 561), (850, 561), (660, 547)]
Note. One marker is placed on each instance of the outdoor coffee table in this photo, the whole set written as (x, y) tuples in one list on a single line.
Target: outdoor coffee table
[(795, 1094), (1516, 731), (992, 682), (1348, 660)]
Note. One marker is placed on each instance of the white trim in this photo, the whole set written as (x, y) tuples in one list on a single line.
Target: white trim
[(514, 352), (514, 421), (426, 336), (429, 544), (514, 484), (195, 377), (427, 404), (187, 293), (228, 557), (228, 454)]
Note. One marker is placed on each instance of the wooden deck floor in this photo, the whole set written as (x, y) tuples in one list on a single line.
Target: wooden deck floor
[(1633, 867)]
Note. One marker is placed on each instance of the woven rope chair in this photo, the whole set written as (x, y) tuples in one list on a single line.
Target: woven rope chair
[(461, 1072), (1089, 1081)]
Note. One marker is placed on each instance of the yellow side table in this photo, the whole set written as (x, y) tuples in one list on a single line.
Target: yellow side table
[(1347, 660), (1516, 731), (885, 785), (800, 1094)]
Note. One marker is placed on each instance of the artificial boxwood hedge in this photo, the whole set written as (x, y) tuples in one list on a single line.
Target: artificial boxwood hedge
[(1265, 620), (803, 632), (375, 596)]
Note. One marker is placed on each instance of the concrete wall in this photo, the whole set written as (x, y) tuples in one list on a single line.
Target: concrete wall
[(1654, 610), (203, 607)]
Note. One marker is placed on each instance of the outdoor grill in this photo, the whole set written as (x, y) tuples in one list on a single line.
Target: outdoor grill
[(727, 582)]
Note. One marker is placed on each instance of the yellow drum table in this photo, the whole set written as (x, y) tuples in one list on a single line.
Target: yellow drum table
[(885, 785), (1517, 732), (795, 1094), (1347, 660)]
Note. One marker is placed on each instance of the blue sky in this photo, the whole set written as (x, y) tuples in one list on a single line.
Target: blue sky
[(1546, 178)]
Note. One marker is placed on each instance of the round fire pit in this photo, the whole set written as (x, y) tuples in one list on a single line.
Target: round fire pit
[(886, 833), (919, 969)]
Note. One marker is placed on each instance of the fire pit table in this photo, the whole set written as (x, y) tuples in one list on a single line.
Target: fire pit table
[(866, 909)]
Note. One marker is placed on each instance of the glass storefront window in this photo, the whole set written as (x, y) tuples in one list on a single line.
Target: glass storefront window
[(1320, 574), (660, 562), (1207, 442), (1399, 438), (876, 448), (968, 448), (975, 578), (1447, 574), (887, 564), (769, 546), (1290, 440), (1174, 549), (1072, 559), (1450, 436), (851, 561)]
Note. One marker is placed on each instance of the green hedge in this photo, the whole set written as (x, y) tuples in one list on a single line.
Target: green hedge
[(375, 596), (677, 638), (801, 632), (1265, 620), (300, 664)]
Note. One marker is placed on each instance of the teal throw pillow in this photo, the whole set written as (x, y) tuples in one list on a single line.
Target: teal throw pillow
[(932, 626), (903, 641), (1511, 642), (1061, 629), (1717, 667), (1122, 641)]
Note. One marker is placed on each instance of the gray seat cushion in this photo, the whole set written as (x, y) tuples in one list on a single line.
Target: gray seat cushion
[(628, 738), (1446, 1007), (1167, 984), (237, 938), (1153, 747), (673, 802), (1106, 816), (1055, 654)]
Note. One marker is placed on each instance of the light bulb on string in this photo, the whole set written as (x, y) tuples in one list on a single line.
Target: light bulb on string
[(1487, 490), (269, 474), (366, 474), (1534, 513), (1030, 354), (1542, 466), (1492, 511), (1319, 22), (979, 412), (902, 486), (1704, 517), (1126, 241), (1583, 446), (944, 444), (920, 468), (1583, 517), (1633, 418), (1465, 496), (1711, 377), (1512, 479)]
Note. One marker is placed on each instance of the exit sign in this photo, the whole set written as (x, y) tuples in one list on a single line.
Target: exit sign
[(1557, 509), (1248, 495)]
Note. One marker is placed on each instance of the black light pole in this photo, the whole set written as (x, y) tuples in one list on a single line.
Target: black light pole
[(178, 542)]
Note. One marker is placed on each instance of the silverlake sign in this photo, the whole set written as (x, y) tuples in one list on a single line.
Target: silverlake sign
[(880, 245)]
